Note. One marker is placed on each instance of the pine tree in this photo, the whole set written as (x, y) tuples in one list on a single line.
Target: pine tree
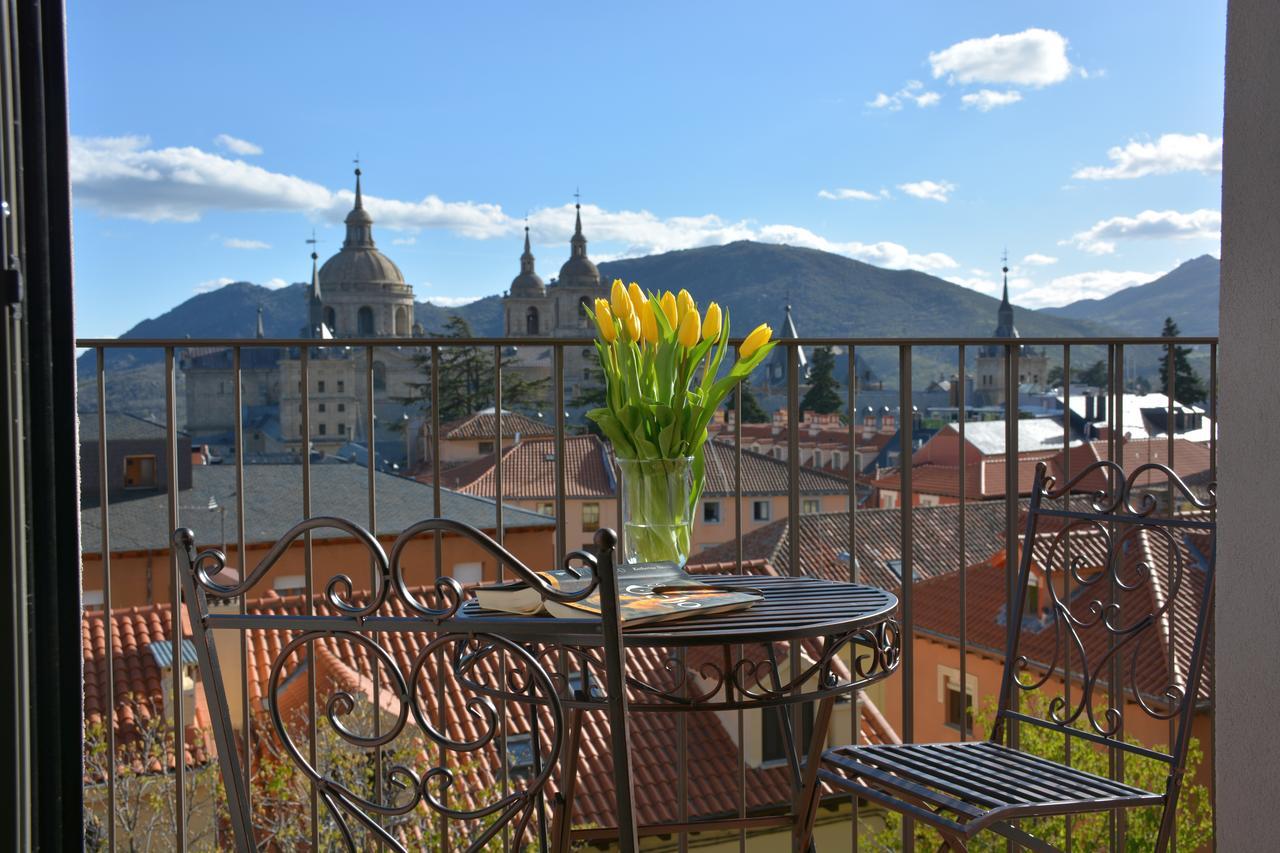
[(823, 395), (466, 381), (1188, 387), (751, 411)]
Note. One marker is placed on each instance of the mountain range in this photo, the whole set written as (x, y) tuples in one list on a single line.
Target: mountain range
[(1188, 293)]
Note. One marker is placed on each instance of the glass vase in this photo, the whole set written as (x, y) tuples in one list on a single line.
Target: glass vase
[(656, 517)]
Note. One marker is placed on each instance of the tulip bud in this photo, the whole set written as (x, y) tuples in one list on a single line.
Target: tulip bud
[(604, 320), (670, 310), (637, 297), (685, 303), (632, 325), (711, 324), (648, 323), (759, 337), (619, 299), (689, 328)]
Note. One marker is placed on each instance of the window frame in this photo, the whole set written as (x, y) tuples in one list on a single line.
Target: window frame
[(717, 516), (756, 515), (155, 470), (590, 508)]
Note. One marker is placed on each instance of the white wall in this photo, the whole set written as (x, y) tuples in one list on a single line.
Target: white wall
[(1247, 767)]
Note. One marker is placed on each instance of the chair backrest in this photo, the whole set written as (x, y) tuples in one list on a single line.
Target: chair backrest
[(398, 647), (1112, 605)]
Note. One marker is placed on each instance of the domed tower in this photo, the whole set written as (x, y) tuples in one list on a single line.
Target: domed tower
[(578, 285), (525, 307), (365, 294)]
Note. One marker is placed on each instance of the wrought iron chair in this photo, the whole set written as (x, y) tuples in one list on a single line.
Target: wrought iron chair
[(1120, 578), (486, 669)]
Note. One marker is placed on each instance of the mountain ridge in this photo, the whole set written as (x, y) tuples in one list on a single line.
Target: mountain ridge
[(1188, 293)]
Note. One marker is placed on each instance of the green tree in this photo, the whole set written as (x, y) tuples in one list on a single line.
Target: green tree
[(1088, 831), (466, 379), (590, 394), (1095, 375), (1188, 387), (823, 395), (752, 413)]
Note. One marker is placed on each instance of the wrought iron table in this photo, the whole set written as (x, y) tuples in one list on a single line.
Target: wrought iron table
[(737, 667)]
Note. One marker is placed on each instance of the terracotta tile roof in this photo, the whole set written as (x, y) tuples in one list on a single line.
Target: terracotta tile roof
[(1191, 461), (712, 754), (983, 480), (936, 611), (824, 542), (761, 475), (529, 471), (481, 426)]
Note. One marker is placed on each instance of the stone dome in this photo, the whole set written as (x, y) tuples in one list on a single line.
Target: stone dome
[(528, 282), (579, 271), (359, 261)]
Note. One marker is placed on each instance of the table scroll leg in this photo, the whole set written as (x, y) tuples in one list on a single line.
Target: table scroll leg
[(807, 807), (568, 784)]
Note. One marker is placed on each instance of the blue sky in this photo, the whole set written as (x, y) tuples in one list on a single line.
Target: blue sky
[(210, 140)]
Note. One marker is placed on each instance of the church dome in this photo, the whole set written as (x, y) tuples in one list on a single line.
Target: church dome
[(579, 271), (528, 282), (359, 262)]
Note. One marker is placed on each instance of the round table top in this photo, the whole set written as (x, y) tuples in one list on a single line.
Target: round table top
[(793, 608)]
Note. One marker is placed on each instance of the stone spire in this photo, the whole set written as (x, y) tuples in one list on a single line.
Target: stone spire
[(315, 302), (579, 271), (1004, 317), (577, 243), (359, 223), (261, 332), (528, 282)]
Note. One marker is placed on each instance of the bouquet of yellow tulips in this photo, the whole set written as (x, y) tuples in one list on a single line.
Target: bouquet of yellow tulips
[(661, 358)]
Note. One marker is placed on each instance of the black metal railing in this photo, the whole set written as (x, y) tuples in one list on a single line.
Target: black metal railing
[(900, 363)]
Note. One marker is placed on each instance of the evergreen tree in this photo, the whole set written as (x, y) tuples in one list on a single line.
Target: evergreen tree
[(823, 395), (466, 381), (1188, 387), (590, 395), (751, 411), (1095, 375)]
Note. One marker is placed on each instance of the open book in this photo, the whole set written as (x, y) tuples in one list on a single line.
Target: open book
[(647, 592)]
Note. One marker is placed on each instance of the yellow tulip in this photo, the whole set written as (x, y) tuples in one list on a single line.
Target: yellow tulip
[(637, 297), (685, 303), (648, 323), (759, 337), (632, 325), (670, 310), (620, 300), (711, 323), (689, 328), (604, 319)]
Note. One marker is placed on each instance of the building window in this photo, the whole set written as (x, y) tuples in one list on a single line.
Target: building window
[(519, 757), (773, 741), (323, 429), (485, 447), (341, 386), (1031, 605), (342, 407), (810, 506), (320, 386), (342, 429), (711, 512), (322, 407), (364, 321), (290, 584), (379, 376), (140, 472), (586, 373), (547, 508), (330, 320), (91, 599), (959, 708), (467, 573), (760, 510), (590, 517), (531, 321)]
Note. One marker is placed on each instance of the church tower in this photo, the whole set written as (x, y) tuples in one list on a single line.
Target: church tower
[(525, 307), (1032, 362)]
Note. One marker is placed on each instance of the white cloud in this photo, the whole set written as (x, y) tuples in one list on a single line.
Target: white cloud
[(843, 193), (1086, 285), (212, 284), (1148, 225), (237, 146), (1035, 259), (932, 190), (987, 100), (404, 241), (125, 177), (237, 243), (1034, 57), (980, 283), (1172, 152), (452, 301), (913, 92), (275, 283)]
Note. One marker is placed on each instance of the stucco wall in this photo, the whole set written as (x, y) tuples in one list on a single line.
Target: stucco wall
[(1248, 598)]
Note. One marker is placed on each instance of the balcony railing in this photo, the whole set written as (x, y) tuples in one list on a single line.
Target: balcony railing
[(880, 373)]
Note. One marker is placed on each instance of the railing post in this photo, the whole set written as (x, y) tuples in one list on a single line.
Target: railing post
[(616, 684)]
